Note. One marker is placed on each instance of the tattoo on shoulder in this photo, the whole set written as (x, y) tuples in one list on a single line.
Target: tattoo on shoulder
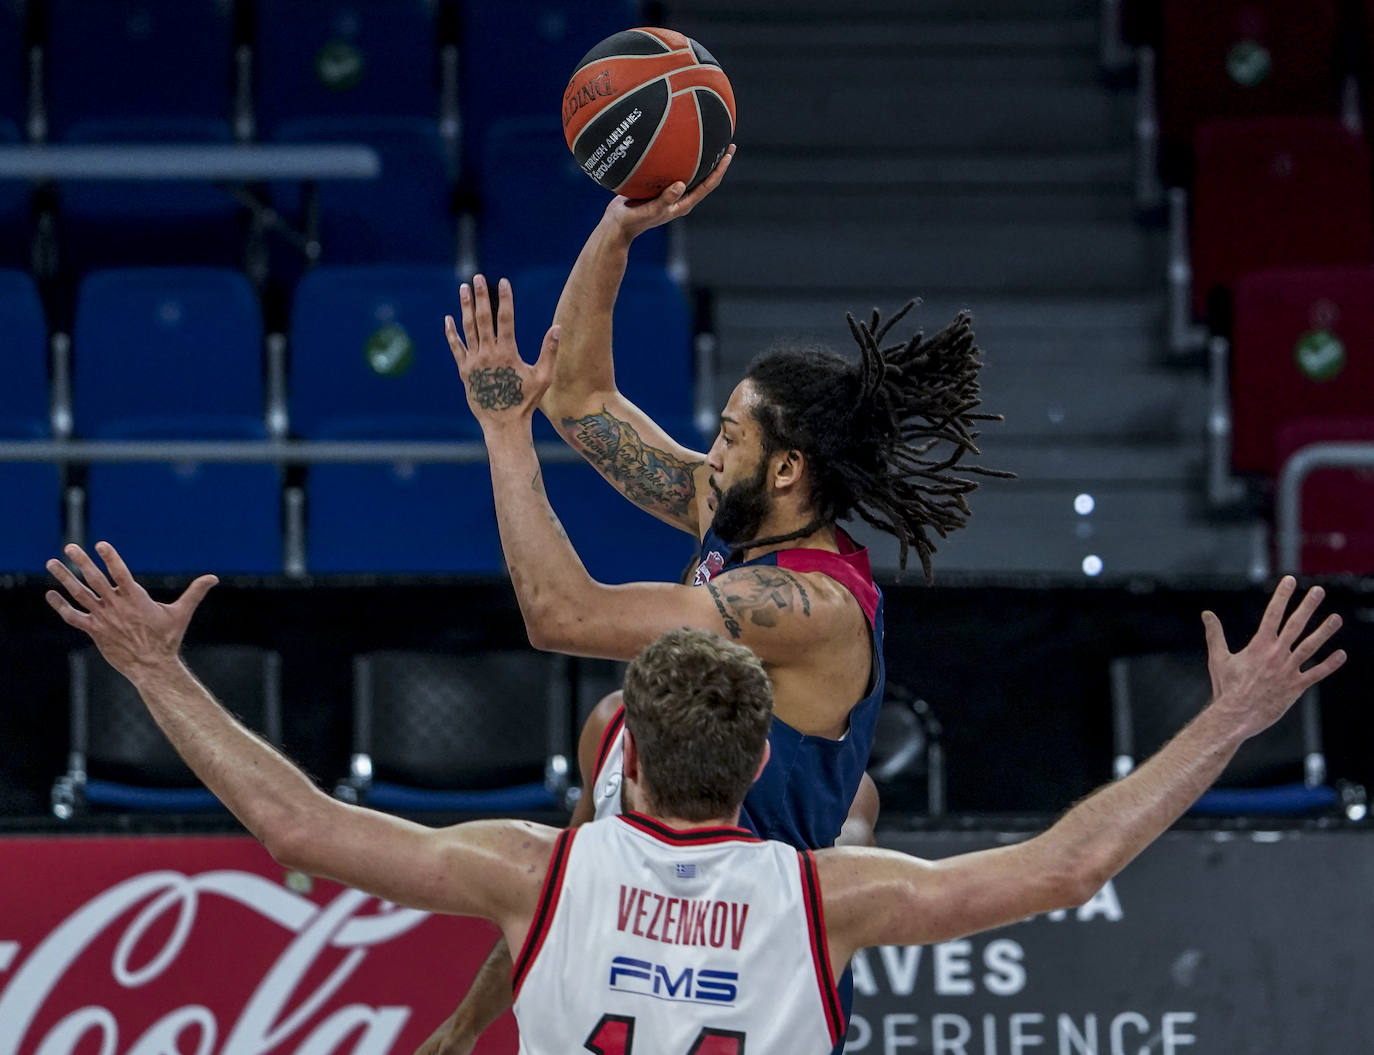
[(496, 387), (731, 623), (649, 477), (762, 595)]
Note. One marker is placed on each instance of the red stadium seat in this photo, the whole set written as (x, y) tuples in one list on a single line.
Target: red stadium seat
[(1246, 58), (1337, 505), (1280, 192), (1301, 350)]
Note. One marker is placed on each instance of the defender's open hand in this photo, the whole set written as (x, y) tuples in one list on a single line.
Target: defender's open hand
[(501, 386), (133, 632), (1261, 681)]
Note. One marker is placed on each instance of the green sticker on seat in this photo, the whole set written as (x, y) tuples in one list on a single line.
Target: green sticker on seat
[(1320, 355), (1248, 63), (389, 351), (339, 65)]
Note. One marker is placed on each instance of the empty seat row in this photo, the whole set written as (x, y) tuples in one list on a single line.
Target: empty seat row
[(177, 355), (114, 60), (1300, 374), (430, 731)]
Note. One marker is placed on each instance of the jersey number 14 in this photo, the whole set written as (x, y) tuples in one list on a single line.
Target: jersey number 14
[(615, 1035)]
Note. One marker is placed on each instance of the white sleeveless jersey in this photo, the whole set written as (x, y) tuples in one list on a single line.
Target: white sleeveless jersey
[(652, 941), (610, 769)]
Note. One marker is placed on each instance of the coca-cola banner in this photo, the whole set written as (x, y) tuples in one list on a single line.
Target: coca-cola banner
[(1215, 943), (205, 946)]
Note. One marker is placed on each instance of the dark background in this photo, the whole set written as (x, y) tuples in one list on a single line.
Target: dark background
[(1015, 669)]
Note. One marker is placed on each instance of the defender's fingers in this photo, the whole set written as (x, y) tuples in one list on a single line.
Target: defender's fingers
[(69, 615), (1324, 669), (455, 343), (95, 578), (1278, 604), (195, 593), (119, 571), (74, 586), (1308, 646), (1297, 621), (505, 310), (469, 313), (1216, 636), (486, 334)]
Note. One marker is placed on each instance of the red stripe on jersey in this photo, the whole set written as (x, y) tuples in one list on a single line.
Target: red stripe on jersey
[(688, 836), (608, 736), (849, 568), (544, 909), (820, 946)]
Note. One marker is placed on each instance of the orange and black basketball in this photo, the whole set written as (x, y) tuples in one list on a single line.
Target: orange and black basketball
[(646, 108)]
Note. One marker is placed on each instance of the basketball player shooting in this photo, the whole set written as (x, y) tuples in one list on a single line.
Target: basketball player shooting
[(749, 933), (807, 438)]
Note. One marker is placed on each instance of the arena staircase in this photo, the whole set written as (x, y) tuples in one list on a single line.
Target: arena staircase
[(969, 152)]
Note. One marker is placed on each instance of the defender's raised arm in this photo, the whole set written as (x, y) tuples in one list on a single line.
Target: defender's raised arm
[(877, 897)]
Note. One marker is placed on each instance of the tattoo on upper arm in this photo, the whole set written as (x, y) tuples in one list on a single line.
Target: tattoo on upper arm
[(648, 477), (731, 623), (761, 595), (496, 387)]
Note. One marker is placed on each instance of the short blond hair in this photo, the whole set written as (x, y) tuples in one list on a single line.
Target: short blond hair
[(699, 708)]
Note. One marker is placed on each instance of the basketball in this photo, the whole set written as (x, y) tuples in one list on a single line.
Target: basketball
[(646, 108)]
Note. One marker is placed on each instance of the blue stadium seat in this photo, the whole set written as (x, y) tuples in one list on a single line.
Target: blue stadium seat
[(123, 59), (617, 542), (118, 59), (402, 217), (653, 368), (31, 530), (345, 58), (538, 206), (653, 342), (486, 731), (122, 223), (14, 85), (516, 57), (369, 361), (14, 209), (176, 353)]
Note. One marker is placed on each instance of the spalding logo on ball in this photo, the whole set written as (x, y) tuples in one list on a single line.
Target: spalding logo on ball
[(646, 108)]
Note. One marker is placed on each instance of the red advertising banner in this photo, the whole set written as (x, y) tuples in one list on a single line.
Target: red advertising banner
[(205, 946)]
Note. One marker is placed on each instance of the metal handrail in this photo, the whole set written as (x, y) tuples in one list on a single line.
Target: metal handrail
[(279, 451), (1299, 465)]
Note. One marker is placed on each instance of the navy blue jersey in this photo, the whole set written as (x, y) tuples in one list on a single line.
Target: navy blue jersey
[(804, 794)]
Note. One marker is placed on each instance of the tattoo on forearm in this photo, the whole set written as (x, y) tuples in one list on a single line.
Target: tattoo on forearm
[(649, 477), (496, 387), (731, 624), (762, 594)]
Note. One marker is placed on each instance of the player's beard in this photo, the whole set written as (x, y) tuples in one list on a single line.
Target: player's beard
[(742, 507)]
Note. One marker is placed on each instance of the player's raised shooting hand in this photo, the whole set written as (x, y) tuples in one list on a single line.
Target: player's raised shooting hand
[(1259, 683), (634, 217), (132, 631), (501, 387)]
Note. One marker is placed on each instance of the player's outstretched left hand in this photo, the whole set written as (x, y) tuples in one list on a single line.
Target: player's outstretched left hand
[(131, 630), (1259, 683), (501, 387)]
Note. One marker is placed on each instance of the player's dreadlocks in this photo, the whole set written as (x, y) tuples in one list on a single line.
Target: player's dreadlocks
[(869, 429)]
